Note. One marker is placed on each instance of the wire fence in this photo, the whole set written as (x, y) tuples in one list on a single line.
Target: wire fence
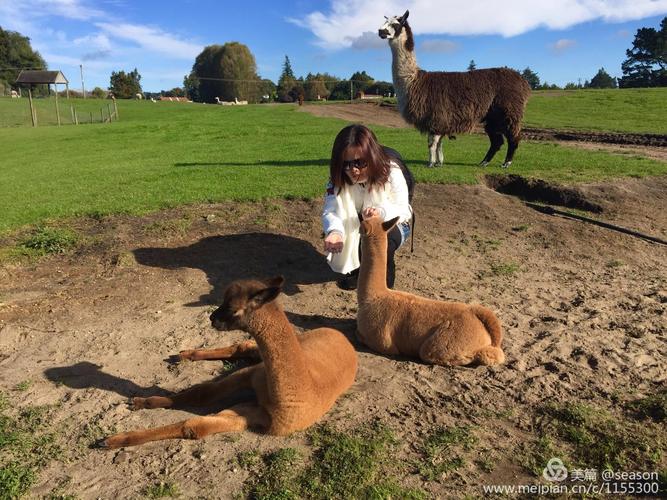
[(16, 112)]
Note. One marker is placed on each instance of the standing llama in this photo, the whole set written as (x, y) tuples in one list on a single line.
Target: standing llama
[(446, 103), (394, 322), (298, 380)]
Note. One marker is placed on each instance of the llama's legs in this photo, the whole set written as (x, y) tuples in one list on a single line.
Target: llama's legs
[(496, 139), (441, 156), (235, 419), (512, 143), (433, 141), (246, 349), (200, 394)]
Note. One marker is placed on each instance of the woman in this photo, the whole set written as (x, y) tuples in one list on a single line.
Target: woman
[(365, 181)]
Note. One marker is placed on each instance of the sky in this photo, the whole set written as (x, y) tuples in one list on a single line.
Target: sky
[(561, 40)]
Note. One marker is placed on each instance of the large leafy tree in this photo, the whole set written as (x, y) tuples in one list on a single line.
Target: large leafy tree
[(191, 87), (646, 63), (531, 77), (287, 83), (16, 53), (361, 81), (125, 85), (315, 87), (602, 80), (227, 72)]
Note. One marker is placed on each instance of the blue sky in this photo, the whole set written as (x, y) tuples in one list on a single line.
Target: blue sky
[(562, 40)]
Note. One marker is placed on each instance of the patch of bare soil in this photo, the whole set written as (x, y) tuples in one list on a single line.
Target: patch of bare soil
[(652, 146), (583, 311)]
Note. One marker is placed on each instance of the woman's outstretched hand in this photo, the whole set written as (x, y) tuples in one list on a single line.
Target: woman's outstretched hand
[(369, 212), (333, 243)]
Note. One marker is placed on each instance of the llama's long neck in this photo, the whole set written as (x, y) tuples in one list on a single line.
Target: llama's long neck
[(403, 66), (373, 272), (281, 353)]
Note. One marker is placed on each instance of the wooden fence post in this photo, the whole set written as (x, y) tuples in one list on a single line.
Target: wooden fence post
[(109, 110), (115, 107), (33, 116), (57, 108)]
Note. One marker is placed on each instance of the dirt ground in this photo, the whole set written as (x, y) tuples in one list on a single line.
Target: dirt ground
[(582, 307)]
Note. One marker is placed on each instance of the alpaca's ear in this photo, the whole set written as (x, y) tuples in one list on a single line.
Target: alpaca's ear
[(277, 281), (264, 296), (387, 225), (404, 17)]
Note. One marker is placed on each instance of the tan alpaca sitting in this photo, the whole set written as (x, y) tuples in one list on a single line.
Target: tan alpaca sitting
[(298, 380), (393, 322)]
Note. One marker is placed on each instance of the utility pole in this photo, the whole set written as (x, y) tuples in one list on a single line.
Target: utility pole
[(83, 89)]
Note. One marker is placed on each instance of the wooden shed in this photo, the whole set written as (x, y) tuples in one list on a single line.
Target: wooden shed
[(44, 77)]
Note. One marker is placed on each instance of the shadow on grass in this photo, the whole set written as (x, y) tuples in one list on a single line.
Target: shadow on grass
[(321, 162), (243, 256), (269, 163)]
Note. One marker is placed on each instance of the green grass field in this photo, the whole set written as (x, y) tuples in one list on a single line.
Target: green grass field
[(166, 154), (619, 110)]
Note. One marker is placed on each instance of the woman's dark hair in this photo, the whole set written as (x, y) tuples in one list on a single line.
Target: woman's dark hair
[(370, 150)]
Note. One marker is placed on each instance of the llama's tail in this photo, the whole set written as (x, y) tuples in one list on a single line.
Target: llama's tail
[(490, 322)]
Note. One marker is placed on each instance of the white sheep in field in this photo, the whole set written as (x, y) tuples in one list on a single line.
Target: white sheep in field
[(15, 94), (224, 103)]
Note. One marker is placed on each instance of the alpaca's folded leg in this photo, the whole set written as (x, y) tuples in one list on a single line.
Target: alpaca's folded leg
[(201, 394), (235, 419), (245, 349), (436, 350), (490, 355)]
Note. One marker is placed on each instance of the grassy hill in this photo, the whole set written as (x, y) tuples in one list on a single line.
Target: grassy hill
[(165, 154)]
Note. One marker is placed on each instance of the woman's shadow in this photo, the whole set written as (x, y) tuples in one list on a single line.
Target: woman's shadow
[(242, 256)]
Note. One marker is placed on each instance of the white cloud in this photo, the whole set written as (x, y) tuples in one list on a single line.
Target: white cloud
[(70, 9), (98, 41), (152, 39), (348, 20), (562, 45), (368, 41), (439, 46)]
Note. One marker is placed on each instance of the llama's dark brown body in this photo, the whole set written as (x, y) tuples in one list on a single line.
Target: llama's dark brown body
[(443, 104), (447, 103)]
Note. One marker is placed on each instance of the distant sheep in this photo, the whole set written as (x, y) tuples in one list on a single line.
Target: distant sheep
[(15, 94), (445, 103), (235, 102)]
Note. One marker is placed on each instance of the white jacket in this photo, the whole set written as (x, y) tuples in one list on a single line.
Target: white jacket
[(341, 213)]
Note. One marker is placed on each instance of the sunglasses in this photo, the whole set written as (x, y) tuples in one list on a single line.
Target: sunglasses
[(357, 163)]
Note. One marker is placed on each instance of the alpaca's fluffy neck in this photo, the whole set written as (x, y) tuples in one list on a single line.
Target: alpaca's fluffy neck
[(373, 273), (281, 353), (403, 66)]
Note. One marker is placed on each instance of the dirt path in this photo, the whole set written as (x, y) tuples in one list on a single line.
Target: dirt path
[(583, 310)]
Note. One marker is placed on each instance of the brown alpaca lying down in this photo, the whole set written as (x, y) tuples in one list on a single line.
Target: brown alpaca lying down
[(394, 322), (298, 380)]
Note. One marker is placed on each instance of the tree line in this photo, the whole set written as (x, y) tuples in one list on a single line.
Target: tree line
[(229, 72)]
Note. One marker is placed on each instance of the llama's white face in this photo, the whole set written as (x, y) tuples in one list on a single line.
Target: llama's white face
[(391, 28)]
